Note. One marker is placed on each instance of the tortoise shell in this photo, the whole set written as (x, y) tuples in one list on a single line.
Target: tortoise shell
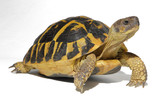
[(68, 39)]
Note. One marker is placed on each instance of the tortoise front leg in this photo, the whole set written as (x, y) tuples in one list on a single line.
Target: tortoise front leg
[(83, 69), (139, 72)]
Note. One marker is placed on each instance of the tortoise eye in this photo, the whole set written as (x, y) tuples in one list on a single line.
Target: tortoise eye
[(126, 22)]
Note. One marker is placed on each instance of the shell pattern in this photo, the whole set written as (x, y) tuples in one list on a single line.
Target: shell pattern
[(67, 39)]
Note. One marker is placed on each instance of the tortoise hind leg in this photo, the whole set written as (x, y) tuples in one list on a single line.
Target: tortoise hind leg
[(83, 69), (20, 68)]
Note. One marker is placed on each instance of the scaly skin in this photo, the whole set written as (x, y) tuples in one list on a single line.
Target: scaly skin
[(83, 70), (139, 72)]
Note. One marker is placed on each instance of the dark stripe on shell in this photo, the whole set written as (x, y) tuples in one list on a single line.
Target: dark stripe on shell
[(50, 34), (105, 29), (37, 39), (40, 54), (50, 51), (60, 51), (74, 52), (98, 33), (72, 35), (88, 46), (88, 24), (33, 59), (28, 55)]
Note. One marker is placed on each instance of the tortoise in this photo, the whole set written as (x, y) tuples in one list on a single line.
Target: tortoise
[(79, 47)]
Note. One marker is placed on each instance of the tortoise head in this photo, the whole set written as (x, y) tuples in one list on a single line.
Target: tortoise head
[(124, 29)]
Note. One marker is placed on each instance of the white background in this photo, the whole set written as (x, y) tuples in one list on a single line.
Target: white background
[(21, 21)]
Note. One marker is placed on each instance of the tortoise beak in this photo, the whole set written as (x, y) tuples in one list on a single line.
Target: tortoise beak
[(135, 20)]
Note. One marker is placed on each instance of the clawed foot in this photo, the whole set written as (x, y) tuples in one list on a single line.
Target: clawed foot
[(20, 68), (136, 83), (79, 81), (84, 71), (15, 70), (79, 87)]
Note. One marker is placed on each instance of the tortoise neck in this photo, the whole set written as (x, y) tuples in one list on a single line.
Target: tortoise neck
[(110, 45)]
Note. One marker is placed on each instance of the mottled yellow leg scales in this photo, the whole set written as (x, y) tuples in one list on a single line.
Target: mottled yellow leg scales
[(83, 72), (139, 72)]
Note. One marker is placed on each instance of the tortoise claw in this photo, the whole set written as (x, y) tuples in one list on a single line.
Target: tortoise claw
[(136, 83), (79, 84), (12, 66), (143, 84), (15, 70)]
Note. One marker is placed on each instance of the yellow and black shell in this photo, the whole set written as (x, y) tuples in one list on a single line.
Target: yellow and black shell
[(67, 39)]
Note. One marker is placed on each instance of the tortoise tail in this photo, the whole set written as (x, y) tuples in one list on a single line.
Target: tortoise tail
[(20, 67)]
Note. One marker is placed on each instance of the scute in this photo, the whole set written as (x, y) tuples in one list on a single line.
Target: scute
[(87, 47), (67, 35), (68, 39), (40, 54), (50, 51), (98, 33), (50, 32), (73, 53), (60, 51), (33, 58)]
